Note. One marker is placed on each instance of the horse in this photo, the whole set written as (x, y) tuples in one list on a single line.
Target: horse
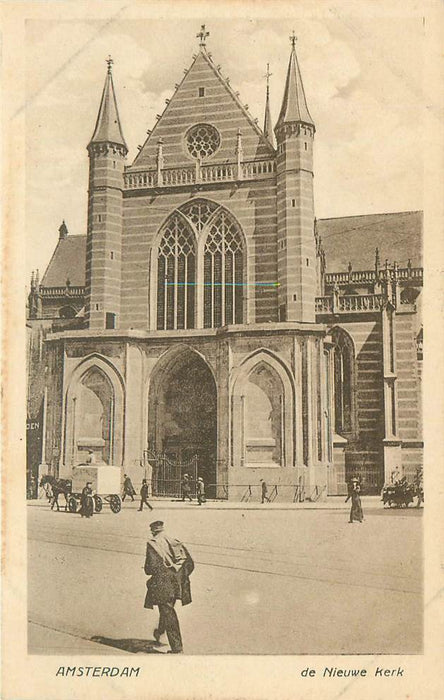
[(58, 486), (399, 494)]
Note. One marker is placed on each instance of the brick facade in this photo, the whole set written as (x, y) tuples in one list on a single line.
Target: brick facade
[(301, 390)]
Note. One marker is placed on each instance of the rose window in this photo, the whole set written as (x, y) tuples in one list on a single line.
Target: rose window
[(202, 140)]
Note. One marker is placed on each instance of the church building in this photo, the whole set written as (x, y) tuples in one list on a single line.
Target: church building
[(207, 322)]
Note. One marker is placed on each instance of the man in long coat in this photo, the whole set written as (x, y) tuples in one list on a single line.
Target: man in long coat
[(169, 565), (128, 488), (186, 487), (144, 496), (200, 490)]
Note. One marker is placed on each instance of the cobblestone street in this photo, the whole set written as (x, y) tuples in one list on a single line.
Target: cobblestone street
[(316, 583)]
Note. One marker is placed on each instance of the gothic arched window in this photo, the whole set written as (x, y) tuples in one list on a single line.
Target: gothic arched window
[(223, 273), (176, 270), (344, 382)]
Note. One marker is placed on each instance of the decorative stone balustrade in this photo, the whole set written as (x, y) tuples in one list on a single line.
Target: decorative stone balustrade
[(257, 167), (324, 305), (218, 173), (415, 273), (141, 180), (361, 302), (349, 303), (191, 175), (370, 276), (62, 291), (337, 278), (176, 176)]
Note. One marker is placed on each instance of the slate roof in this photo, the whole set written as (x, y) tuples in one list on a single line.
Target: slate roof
[(108, 128), (67, 262), (294, 104), (354, 239), (351, 238)]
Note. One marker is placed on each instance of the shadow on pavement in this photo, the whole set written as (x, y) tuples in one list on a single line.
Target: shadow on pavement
[(412, 512), (133, 646)]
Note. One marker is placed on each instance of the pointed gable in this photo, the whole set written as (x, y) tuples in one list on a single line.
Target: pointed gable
[(203, 97)]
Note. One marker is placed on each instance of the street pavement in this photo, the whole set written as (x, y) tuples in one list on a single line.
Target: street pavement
[(269, 579)]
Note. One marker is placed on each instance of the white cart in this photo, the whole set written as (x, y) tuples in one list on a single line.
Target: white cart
[(105, 483)]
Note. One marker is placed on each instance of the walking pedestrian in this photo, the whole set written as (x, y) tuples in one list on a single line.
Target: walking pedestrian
[(356, 507), (169, 565), (87, 501), (186, 487), (264, 491), (128, 488), (200, 491), (144, 496), (418, 486)]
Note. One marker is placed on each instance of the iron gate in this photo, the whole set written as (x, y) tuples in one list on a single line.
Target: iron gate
[(167, 473)]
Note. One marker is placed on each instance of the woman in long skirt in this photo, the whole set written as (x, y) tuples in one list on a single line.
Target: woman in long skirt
[(356, 507), (86, 502)]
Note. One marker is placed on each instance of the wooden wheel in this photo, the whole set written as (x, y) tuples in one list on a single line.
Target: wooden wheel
[(115, 503), (98, 504), (72, 505)]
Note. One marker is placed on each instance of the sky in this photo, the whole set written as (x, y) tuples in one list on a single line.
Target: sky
[(363, 80)]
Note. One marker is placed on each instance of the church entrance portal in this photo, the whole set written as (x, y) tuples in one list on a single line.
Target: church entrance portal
[(182, 423)]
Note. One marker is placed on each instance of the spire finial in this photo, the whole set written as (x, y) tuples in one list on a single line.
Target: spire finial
[(202, 35), (268, 129), (110, 62), (294, 104), (268, 76)]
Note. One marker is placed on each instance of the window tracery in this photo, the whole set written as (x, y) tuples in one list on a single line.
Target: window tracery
[(202, 140), (199, 212), (223, 273), (220, 292), (176, 261)]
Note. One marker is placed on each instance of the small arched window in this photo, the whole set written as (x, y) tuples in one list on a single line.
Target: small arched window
[(344, 382), (67, 312), (176, 263)]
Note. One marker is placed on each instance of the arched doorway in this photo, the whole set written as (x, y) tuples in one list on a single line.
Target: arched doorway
[(93, 413), (182, 413), (262, 417)]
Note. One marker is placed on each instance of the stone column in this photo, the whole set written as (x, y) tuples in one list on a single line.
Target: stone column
[(392, 444), (299, 459), (223, 456), (133, 445)]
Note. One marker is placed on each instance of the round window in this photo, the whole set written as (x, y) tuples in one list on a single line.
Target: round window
[(202, 140)]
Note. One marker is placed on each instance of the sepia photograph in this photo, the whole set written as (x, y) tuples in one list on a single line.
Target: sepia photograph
[(223, 276)]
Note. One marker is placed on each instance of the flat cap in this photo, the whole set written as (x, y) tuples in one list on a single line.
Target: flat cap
[(156, 525)]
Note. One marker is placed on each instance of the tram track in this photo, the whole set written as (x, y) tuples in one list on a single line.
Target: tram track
[(250, 569), (266, 556)]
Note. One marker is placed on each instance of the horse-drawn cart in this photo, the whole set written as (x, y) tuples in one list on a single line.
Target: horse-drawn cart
[(398, 494), (105, 484)]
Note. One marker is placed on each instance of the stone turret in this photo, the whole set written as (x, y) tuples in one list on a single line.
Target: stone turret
[(295, 208), (107, 152)]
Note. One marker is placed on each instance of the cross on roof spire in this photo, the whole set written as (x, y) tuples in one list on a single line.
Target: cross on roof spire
[(202, 35), (268, 74), (110, 62), (293, 39)]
